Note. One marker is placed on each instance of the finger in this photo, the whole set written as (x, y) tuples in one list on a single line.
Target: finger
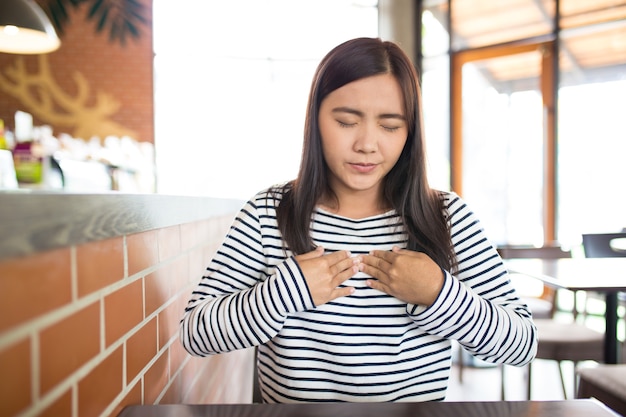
[(344, 264), (376, 262), (344, 275), (377, 285), (400, 251), (386, 255), (373, 272), (342, 292), (337, 257)]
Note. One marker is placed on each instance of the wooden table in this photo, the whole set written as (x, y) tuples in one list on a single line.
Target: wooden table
[(569, 408), (603, 275)]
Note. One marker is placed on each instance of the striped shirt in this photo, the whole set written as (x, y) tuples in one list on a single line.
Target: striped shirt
[(368, 346)]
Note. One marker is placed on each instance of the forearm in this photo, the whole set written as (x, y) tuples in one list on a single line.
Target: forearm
[(225, 322), (494, 331)]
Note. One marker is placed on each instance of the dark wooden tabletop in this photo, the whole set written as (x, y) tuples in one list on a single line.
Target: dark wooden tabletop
[(569, 408)]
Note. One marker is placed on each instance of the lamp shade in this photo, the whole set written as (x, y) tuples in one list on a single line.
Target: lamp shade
[(25, 28)]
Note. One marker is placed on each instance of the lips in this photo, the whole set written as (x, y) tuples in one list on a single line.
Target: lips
[(363, 168)]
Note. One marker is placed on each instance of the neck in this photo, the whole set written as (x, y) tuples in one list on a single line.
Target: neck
[(355, 205)]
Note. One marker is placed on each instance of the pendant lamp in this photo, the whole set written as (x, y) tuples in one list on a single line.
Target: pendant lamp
[(25, 28)]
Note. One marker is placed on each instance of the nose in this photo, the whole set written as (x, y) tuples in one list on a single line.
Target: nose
[(366, 140)]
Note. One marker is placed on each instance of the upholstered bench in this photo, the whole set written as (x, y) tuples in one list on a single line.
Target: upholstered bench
[(606, 383)]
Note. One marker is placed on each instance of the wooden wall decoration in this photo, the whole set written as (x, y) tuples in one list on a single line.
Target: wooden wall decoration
[(98, 83), (49, 102)]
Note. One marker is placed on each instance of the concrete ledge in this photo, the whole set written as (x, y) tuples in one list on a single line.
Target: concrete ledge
[(36, 221)]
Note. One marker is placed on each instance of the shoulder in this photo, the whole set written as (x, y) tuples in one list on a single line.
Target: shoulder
[(454, 206), (267, 199), (450, 199)]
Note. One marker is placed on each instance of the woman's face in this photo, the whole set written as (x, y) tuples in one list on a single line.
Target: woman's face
[(363, 129)]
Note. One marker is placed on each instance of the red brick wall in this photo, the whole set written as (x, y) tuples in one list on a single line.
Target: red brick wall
[(125, 73), (88, 329)]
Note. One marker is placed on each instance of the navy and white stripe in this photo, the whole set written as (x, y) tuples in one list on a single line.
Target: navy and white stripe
[(364, 347)]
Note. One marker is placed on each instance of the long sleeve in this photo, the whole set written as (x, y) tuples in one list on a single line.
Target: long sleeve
[(478, 306), (241, 303), (368, 346)]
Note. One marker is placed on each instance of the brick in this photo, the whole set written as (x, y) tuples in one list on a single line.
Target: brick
[(173, 394), (34, 285), (123, 72), (178, 354), (15, 380), (100, 387), (143, 251), (169, 242), (61, 407), (69, 344), (132, 398), (99, 264), (123, 310), (140, 349), (189, 235), (180, 277), (169, 319), (197, 266), (155, 379), (160, 287)]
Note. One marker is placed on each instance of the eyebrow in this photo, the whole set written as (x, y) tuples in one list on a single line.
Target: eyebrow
[(361, 114)]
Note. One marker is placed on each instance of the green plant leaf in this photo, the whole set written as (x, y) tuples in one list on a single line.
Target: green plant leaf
[(120, 18)]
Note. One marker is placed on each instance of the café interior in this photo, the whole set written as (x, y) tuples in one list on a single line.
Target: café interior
[(523, 103)]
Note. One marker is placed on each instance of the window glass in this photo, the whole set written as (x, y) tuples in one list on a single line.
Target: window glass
[(592, 137), (435, 81), (478, 23), (231, 85), (503, 147), (502, 160)]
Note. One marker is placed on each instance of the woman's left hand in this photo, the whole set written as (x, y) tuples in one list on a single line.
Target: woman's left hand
[(412, 277)]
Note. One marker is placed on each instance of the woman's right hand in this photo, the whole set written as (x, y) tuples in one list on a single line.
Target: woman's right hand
[(324, 273)]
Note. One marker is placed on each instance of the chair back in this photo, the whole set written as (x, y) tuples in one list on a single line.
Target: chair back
[(605, 245), (543, 252), (538, 302)]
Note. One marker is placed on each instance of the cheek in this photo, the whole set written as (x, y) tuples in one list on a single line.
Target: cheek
[(331, 138), (393, 149)]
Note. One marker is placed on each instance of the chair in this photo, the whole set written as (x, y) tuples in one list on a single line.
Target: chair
[(566, 341), (542, 305), (257, 397), (558, 341), (604, 245), (606, 383)]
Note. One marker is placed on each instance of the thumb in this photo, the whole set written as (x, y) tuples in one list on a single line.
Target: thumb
[(396, 249)]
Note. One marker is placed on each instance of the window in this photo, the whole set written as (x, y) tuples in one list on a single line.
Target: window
[(231, 85), (507, 137)]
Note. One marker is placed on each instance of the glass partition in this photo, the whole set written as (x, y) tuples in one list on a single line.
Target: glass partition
[(508, 108)]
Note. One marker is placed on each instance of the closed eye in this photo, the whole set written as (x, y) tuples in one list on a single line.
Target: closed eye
[(344, 124), (390, 128)]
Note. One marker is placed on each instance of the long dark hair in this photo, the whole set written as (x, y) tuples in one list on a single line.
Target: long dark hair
[(405, 187)]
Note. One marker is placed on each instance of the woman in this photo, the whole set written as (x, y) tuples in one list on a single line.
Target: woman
[(354, 278)]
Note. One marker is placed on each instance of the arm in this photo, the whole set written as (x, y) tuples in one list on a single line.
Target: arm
[(244, 299), (478, 306)]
